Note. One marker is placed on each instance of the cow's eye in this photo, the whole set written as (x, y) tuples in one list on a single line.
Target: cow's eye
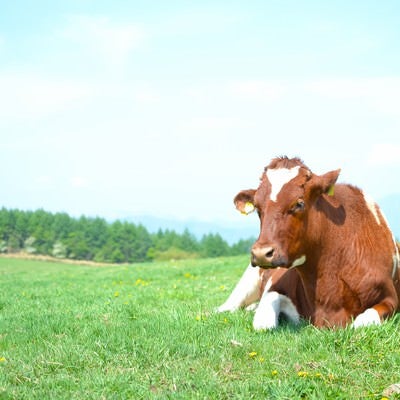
[(298, 206)]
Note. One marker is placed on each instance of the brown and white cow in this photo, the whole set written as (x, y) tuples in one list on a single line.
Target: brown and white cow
[(344, 256)]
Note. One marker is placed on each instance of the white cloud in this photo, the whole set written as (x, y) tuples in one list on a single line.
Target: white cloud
[(384, 154), (27, 95), (147, 95), (44, 180), (207, 124), (100, 35), (78, 182), (382, 94), (264, 91)]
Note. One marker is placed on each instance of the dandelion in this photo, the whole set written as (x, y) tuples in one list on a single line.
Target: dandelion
[(222, 288), (252, 354), (302, 374), (2, 359), (116, 294), (274, 372), (188, 275), (198, 317), (141, 282), (261, 359)]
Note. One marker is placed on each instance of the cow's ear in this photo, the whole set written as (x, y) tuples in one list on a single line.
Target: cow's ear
[(244, 201), (328, 181), (324, 184)]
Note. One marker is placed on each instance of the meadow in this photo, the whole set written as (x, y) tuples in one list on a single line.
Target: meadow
[(148, 331)]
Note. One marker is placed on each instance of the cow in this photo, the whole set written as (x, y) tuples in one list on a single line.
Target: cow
[(278, 291), (342, 257)]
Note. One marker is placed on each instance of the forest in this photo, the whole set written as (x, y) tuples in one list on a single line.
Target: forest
[(95, 239)]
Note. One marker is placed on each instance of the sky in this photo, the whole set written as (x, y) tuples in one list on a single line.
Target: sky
[(169, 108)]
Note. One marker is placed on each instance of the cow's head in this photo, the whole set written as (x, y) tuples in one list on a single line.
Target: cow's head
[(287, 191)]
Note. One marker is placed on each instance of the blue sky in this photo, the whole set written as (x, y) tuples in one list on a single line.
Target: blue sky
[(169, 108)]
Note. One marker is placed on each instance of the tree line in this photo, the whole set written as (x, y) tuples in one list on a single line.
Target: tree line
[(62, 236)]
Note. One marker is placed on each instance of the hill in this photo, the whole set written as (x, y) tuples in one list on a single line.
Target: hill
[(231, 231), (244, 228)]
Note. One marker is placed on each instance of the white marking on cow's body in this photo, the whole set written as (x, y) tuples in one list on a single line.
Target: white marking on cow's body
[(246, 292), (372, 206), (299, 261), (396, 256), (396, 260), (369, 317), (271, 305), (381, 219), (279, 177)]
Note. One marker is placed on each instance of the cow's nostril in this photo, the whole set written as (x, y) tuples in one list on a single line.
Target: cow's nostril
[(269, 253)]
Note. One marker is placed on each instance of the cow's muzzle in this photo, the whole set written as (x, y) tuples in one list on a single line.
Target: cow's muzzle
[(267, 257)]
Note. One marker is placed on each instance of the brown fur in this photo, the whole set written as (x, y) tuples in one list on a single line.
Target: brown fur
[(349, 256)]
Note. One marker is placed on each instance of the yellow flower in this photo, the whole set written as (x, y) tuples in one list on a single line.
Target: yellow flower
[(302, 374), (116, 294), (2, 359), (141, 282), (274, 372), (252, 354)]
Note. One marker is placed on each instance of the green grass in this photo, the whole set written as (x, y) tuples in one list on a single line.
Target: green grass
[(146, 331)]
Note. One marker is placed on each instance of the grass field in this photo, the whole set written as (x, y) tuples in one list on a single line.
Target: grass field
[(147, 331)]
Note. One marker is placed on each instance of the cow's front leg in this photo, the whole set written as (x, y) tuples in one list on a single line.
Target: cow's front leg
[(271, 305), (246, 292), (267, 313)]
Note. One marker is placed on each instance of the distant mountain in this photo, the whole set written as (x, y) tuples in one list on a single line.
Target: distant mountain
[(390, 205), (232, 232), (244, 228)]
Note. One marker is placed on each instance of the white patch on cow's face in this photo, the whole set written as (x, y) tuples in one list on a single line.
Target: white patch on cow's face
[(369, 317), (372, 207), (279, 177)]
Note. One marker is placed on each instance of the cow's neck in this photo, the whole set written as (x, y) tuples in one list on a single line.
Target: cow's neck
[(313, 272)]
